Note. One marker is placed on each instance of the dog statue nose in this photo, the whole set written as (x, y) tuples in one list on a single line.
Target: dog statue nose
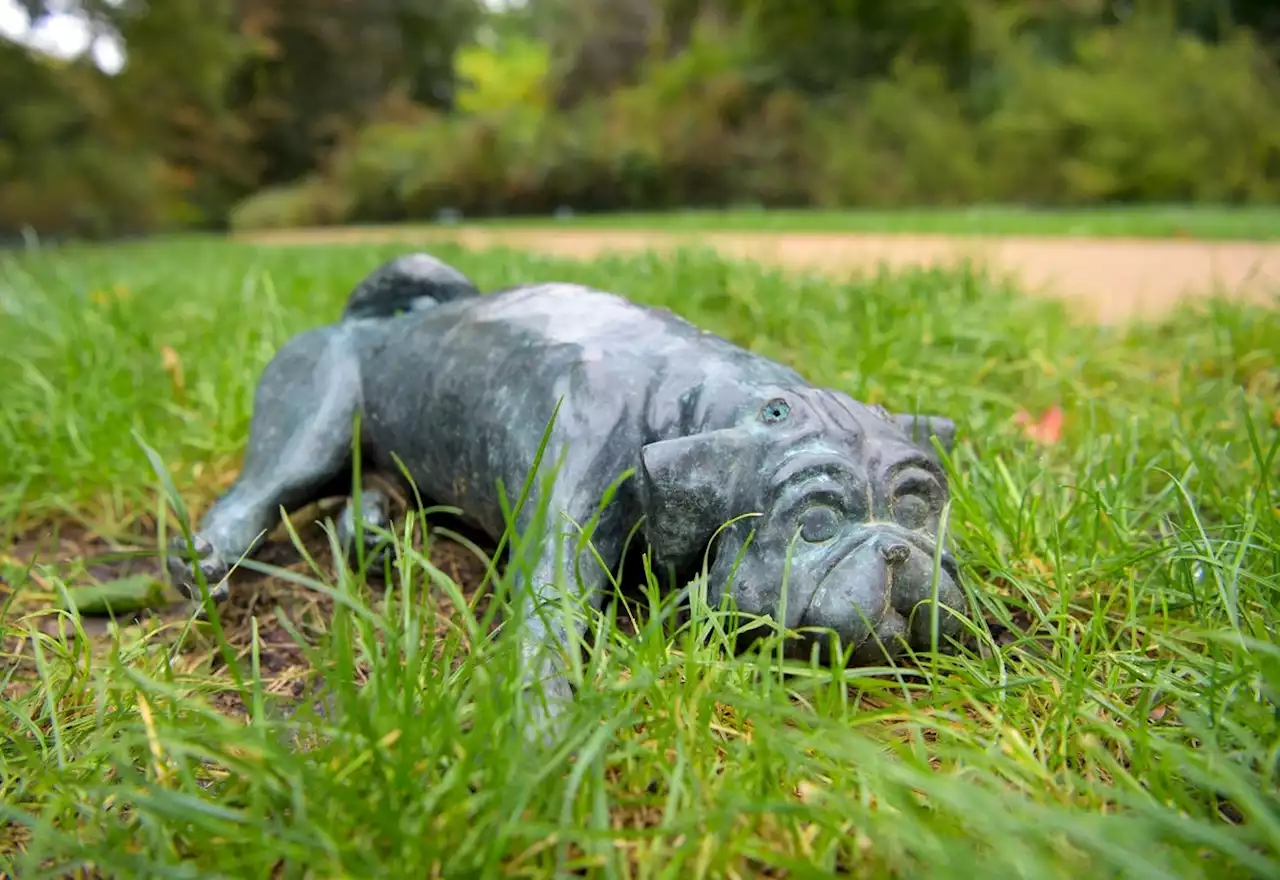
[(894, 552)]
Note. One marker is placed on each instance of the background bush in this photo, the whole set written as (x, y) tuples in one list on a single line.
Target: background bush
[(1138, 113), (242, 114), (1141, 114)]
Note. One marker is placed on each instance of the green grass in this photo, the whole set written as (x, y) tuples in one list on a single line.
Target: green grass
[(1260, 223), (1119, 717)]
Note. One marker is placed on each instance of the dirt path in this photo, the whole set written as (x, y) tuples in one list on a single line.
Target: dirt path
[(1109, 279)]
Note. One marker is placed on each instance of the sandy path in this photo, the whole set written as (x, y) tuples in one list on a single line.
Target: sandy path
[(1107, 279)]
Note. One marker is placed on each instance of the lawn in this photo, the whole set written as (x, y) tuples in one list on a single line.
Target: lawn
[(1117, 716), (1254, 223)]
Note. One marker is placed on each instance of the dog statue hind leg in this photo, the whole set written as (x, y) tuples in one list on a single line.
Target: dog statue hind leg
[(300, 436)]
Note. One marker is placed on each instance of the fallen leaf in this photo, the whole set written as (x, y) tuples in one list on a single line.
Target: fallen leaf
[(105, 296), (173, 366), (132, 593), (1046, 428), (807, 792)]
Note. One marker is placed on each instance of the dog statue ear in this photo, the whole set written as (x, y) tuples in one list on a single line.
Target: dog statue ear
[(921, 427), (686, 490)]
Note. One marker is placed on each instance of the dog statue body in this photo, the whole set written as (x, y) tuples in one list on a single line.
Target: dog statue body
[(458, 388)]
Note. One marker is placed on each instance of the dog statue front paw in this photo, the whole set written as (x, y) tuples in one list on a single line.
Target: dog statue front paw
[(209, 563)]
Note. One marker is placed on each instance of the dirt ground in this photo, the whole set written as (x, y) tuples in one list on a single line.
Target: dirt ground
[(271, 604), (1108, 280)]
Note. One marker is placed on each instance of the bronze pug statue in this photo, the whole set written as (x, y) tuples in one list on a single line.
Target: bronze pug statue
[(461, 387)]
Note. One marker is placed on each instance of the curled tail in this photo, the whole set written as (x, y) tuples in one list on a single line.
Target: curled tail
[(408, 283)]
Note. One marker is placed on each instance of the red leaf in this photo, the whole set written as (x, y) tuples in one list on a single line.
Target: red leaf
[(1046, 429)]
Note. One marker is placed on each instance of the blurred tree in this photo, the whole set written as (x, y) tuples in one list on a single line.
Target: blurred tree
[(1215, 19), (218, 98), (1058, 24), (319, 68), (232, 95), (822, 45), (164, 109), (598, 46), (65, 169), (170, 97)]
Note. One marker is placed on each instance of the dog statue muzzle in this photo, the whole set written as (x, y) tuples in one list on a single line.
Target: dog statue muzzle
[(878, 598)]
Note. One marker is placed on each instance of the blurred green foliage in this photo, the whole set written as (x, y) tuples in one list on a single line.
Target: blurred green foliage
[(217, 99), (271, 113)]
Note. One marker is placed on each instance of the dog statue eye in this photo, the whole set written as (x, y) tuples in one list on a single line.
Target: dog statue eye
[(819, 523), (911, 511), (775, 411)]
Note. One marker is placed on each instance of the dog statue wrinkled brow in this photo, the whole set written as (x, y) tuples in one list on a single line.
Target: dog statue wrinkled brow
[(838, 500)]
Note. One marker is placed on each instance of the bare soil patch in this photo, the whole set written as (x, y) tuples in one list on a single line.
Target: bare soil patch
[(273, 605), (1105, 280)]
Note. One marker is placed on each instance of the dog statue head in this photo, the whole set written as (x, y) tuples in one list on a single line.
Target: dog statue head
[(838, 500)]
